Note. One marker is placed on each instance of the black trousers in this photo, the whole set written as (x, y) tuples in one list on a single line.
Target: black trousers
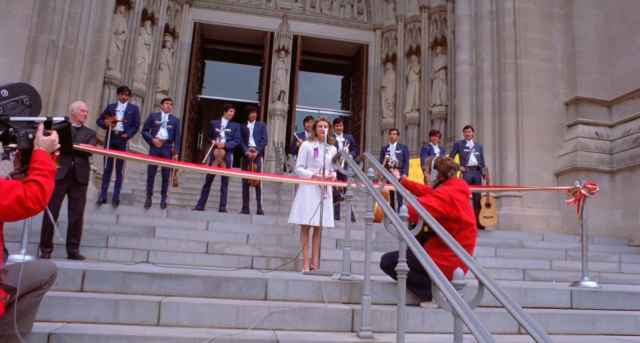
[(245, 186), (37, 278), (418, 281), (77, 199), (474, 177), (152, 170)]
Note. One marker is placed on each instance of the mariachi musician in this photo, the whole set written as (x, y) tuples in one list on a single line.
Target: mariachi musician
[(122, 121), (225, 137), (161, 131), (254, 142), (343, 141), (395, 157)]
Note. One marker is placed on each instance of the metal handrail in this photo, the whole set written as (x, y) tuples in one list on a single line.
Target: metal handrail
[(477, 328), (527, 322)]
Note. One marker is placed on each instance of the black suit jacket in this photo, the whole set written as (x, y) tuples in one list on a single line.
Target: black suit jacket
[(77, 161)]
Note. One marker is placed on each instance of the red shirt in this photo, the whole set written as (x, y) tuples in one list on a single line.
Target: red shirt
[(450, 205)]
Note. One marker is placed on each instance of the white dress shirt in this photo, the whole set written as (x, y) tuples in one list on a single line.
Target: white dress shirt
[(473, 161), (223, 126), (340, 140), (392, 152), (436, 149), (251, 126), (120, 109), (163, 133)]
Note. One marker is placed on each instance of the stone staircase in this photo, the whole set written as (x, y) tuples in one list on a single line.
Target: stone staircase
[(181, 276)]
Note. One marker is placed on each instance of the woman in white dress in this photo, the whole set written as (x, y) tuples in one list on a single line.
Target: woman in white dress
[(312, 201)]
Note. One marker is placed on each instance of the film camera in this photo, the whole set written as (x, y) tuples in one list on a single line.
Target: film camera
[(20, 107)]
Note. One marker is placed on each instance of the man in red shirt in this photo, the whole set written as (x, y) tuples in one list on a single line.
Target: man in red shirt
[(448, 202), (23, 199)]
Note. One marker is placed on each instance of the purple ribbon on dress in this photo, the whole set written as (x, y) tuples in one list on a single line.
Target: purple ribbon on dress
[(316, 153)]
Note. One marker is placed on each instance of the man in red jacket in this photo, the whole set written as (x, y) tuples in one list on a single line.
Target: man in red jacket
[(23, 199), (448, 202)]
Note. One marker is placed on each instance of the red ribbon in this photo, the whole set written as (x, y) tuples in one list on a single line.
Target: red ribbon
[(579, 194)]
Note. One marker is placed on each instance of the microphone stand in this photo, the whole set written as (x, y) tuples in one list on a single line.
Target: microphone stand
[(323, 194)]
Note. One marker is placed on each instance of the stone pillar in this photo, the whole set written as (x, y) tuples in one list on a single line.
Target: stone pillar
[(425, 88), (440, 55), (413, 84), (464, 62), (486, 120), (401, 85), (67, 41), (507, 152), (279, 93)]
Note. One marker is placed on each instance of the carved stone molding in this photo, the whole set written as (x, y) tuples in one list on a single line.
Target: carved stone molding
[(340, 12)]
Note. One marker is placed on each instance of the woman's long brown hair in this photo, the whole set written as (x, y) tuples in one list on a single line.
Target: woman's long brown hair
[(314, 135)]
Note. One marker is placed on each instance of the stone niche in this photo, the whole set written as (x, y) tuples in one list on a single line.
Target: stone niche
[(144, 38)]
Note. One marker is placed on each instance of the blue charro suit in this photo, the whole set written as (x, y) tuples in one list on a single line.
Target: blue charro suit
[(402, 156), (261, 139), (170, 147), (118, 141), (233, 140), (427, 151), (353, 151)]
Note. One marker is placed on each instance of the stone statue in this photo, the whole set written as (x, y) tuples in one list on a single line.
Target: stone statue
[(143, 52), (165, 68), (412, 100), (313, 6), (439, 99), (390, 12), (361, 10), (413, 7), (325, 7), (388, 91), (348, 9), (119, 33), (281, 85)]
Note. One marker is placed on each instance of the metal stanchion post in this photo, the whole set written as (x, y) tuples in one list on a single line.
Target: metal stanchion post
[(365, 316), (585, 281), (347, 243), (23, 256), (402, 269)]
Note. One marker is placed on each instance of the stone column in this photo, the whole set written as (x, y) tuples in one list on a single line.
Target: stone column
[(67, 42), (464, 62), (507, 161), (487, 82), (425, 61), (401, 70), (279, 93)]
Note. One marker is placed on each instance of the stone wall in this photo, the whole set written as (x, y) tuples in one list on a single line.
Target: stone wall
[(58, 46)]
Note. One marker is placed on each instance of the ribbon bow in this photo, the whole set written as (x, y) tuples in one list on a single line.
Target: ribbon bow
[(579, 193)]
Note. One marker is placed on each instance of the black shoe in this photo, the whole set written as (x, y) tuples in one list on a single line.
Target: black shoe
[(222, 210), (101, 202), (353, 217), (245, 211), (163, 204), (260, 212), (45, 255), (147, 203), (75, 256), (197, 209), (115, 203), (336, 218)]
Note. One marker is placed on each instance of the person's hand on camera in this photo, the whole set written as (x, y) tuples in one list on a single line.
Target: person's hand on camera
[(47, 143)]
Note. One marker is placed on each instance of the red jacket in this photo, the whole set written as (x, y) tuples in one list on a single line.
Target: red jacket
[(25, 198), (449, 204)]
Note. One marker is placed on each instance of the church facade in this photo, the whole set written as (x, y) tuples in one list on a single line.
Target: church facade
[(551, 86)]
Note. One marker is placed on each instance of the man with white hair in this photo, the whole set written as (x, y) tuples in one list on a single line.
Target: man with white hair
[(72, 179)]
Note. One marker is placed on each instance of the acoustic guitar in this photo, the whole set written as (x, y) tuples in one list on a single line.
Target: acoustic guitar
[(488, 216)]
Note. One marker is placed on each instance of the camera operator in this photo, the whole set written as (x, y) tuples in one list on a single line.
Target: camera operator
[(72, 179), (23, 199)]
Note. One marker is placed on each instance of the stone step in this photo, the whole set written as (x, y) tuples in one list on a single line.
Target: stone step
[(105, 333), (145, 279), (96, 308)]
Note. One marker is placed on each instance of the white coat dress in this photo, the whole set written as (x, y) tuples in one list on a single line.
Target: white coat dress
[(305, 209)]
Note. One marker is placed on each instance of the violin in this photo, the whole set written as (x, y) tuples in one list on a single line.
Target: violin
[(378, 213), (219, 156), (253, 166)]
